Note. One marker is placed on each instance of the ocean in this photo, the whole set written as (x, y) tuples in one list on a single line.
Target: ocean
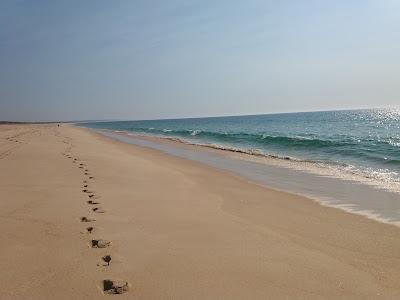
[(354, 142)]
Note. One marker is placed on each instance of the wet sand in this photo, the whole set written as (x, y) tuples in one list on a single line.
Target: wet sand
[(173, 228)]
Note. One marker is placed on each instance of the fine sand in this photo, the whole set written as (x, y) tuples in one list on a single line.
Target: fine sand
[(174, 229)]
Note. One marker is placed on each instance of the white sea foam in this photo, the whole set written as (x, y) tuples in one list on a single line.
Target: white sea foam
[(195, 132)]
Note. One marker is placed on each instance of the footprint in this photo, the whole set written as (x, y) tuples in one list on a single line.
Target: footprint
[(115, 286), (98, 210), (89, 229), (81, 164), (86, 173), (106, 259), (92, 202), (100, 243), (85, 186), (85, 219)]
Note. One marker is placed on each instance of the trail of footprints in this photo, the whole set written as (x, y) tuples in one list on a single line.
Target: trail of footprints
[(108, 286)]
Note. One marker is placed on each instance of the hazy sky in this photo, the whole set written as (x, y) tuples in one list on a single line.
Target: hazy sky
[(107, 59)]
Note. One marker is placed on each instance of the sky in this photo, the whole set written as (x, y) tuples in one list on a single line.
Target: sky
[(91, 60)]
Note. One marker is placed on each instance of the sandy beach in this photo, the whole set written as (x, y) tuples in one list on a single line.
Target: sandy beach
[(174, 229)]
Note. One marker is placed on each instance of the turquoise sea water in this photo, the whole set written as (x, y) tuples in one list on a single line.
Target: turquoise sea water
[(361, 142)]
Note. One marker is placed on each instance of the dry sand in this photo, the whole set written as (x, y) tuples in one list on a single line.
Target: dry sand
[(178, 229)]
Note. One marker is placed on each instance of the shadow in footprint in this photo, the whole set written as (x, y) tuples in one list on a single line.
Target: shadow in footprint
[(85, 219), (106, 259), (89, 229), (115, 286), (92, 202), (98, 210), (100, 243)]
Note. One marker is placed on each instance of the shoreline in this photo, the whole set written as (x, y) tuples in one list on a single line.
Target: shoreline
[(276, 160), (177, 229), (311, 167), (365, 191)]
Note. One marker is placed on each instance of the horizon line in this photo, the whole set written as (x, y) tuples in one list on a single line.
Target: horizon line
[(192, 117)]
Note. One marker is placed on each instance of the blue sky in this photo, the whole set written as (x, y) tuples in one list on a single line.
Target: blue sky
[(71, 60)]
